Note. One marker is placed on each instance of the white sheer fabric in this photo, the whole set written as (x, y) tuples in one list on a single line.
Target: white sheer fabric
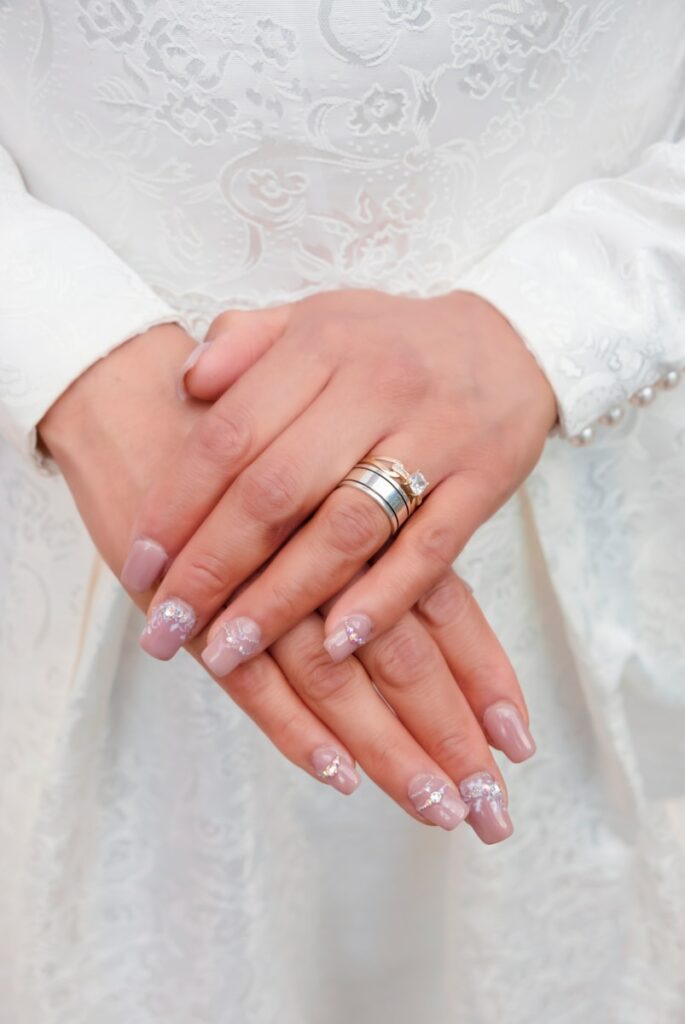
[(159, 861)]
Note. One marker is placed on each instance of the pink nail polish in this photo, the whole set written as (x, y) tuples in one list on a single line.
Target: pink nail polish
[(144, 565), (199, 350), (508, 732), (236, 640), (335, 769), (488, 814), (352, 632), (437, 801), (169, 625)]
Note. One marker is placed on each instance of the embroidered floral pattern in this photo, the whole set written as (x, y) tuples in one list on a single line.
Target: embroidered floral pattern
[(380, 110), (118, 21), (414, 14), (209, 144), (276, 42)]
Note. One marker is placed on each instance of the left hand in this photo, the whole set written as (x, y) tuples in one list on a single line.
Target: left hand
[(443, 384)]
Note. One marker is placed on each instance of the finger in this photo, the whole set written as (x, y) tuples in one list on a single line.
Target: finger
[(274, 318), (235, 341), (412, 675), (226, 439), (319, 560), (479, 663), (343, 698), (246, 527), (344, 532), (417, 558), (263, 693)]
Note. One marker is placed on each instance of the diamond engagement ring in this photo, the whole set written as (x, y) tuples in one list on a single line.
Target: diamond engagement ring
[(390, 485)]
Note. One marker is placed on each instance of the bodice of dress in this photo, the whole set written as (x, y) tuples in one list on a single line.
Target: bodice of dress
[(242, 153)]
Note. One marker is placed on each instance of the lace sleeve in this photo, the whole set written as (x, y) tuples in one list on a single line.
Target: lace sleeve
[(66, 300), (596, 288)]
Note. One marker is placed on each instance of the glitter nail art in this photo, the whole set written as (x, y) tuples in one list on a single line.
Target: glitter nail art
[(169, 625), (175, 615), (335, 770), (352, 632), (481, 786), (235, 641), (437, 801), (488, 813), (242, 635)]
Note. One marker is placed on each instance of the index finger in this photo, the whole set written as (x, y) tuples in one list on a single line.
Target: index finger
[(226, 439)]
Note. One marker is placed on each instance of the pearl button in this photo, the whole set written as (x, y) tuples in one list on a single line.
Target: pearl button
[(584, 437), (615, 415), (644, 396), (670, 379)]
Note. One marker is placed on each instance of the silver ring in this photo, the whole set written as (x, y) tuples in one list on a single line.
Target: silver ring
[(386, 481)]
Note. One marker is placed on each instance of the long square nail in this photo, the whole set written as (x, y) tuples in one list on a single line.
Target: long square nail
[(350, 633), (508, 731), (437, 801), (236, 640), (169, 625), (143, 565), (488, 814), (335, 769)]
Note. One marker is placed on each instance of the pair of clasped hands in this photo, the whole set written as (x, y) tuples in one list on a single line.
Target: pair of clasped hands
[(208, 477)]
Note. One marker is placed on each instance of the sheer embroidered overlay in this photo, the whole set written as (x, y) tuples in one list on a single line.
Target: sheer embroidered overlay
[(163, 158)]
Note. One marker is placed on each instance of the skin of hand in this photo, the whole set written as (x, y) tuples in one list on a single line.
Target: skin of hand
[(302, 393), (119, 426)]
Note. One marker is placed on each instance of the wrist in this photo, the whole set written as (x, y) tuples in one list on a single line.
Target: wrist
[(110, 393), (492, 327), (114, 428)]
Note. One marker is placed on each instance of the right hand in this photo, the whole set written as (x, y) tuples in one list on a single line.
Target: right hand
[(113, 431)]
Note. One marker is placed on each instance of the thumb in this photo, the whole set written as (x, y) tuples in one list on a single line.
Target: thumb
[(234, 342)]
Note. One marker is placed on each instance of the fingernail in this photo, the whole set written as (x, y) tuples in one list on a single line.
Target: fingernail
[(488, 814), (199, 350), (352, 632), (236, 640), (169, 625), (437, 801), (143, 565), (509, 733), (335, 769)]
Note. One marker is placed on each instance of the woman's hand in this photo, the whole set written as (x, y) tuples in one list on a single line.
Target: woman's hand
[(444, 384), (116, 427)]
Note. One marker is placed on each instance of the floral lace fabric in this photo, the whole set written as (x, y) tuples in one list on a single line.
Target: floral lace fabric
[(159, 861)]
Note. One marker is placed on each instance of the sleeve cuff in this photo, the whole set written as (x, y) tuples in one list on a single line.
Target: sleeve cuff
[(66, 301), (595, 288)]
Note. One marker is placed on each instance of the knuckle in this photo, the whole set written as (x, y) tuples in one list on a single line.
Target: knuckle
[(403, 655), (454, 747), (270, 492), (224, 434), (491, 676), (351, 526), (386, 754), (447, 602), (435, 543), (323, 680), (287, 732), (292, 597), (204, 576)]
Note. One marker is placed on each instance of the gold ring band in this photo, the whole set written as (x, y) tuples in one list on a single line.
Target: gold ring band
[(386, 481)]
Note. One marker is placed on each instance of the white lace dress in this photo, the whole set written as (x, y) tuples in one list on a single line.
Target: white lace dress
[(159, 862)]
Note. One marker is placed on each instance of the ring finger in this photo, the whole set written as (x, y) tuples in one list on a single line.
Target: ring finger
[(418, 773), (259, 511)]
